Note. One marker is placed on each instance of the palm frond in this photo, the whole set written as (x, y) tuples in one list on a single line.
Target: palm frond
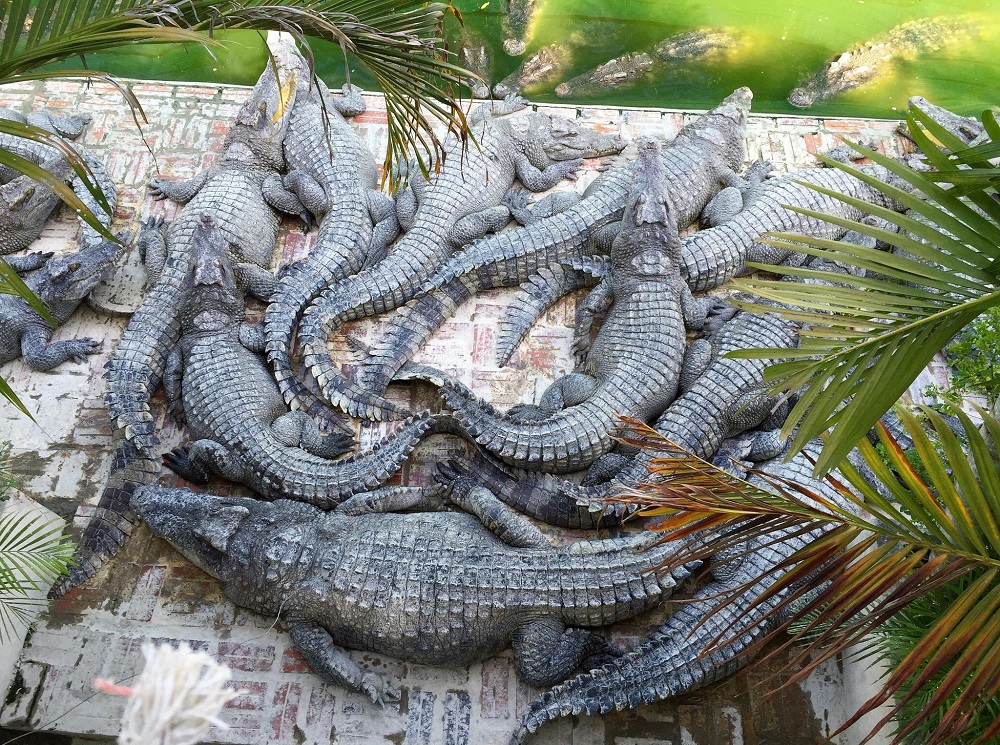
[(865, 339), (877, 549)]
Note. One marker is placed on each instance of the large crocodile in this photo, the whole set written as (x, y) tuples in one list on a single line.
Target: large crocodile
[(680, 657), (438, 588), (726, 399), (61, 283), (229, 400), (232, 192), (632, 368), (697, 163), (629, 68), (462, 203), (863, 63), (473, 54), (333, 174)]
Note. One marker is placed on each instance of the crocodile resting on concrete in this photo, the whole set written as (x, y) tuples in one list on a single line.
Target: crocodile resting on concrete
[(629, 68), (725, 399), (673, 660), (461, 204), (61, 283), (229, 400), (232, 192), (632, 367), (865, 62), (440, 588), (696, 164), (333, 175)]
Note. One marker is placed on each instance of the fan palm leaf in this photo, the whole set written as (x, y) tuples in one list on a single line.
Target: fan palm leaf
[(884, 548), (865, 339)]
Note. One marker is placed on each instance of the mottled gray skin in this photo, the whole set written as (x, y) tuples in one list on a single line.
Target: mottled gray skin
[(673, 661), (543, 66), (61, 283), (732, 200), (689, 46), (632, 367), (332, 174), (462, 203), (725, 399), (231, 404), (697, 163), (537, 295), (433, 588), (966, 128), (25, 204), (232, 193), (865, 62), (515, 25), (714, 256)]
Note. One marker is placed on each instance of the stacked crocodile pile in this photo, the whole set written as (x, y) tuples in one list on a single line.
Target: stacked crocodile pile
[(438, 587)]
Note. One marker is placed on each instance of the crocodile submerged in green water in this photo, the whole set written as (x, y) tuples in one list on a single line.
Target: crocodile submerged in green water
[(543, 66), (630, 68)]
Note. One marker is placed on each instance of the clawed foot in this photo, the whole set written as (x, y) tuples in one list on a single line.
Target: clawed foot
[(78, 349), (151, 230), (454, 476), (517, 198), (379, 690), (570, 168), (179, 461), (158, 187)]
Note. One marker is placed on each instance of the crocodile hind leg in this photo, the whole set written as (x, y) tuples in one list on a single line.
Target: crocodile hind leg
[(201, 459), (178, 191), (298, 429), (478, 224), (331, 662), (546, 652), (506, 524), (350, 102), (385, 226), (569, 390)]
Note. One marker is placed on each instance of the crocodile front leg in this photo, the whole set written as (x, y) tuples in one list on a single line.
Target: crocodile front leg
[(255, 281), (41, 354), (298, 429), (28, 262), (202, 458), (540, 179), (475, 226), (546, 652), (569, 390), (392, 499), (330, 661), (179, 191), (507, 525), (173, 377), (152, 247), (596, 303), (385, 226)]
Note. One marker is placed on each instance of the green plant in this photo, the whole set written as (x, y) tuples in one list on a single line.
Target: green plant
[(931, 540), (33, 553), (866, 338), (973, 356)]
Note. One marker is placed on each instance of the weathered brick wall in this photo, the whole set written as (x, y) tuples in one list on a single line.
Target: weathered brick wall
[(151, 593)]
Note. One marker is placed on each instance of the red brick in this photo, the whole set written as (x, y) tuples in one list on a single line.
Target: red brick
[(293, 662), (285, 710), (246, 657), (494, 699)]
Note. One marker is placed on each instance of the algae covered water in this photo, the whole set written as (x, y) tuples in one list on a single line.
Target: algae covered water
[(774, 48)]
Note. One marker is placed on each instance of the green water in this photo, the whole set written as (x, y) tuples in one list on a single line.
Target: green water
[(781, 44)]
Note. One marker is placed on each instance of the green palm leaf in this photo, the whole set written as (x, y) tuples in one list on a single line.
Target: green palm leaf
[(867, 338), (933, 535)]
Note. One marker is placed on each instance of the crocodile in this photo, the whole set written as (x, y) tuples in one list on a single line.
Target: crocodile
[(473, 54), (700, 160), (232, 192), (681, 655), (969, 129), (715, 255), (725, 399), (62, 283), (732, 200), (435, 588), (515, 25), (25, 204), (333, 174), (230, 402), (462, 203), (629, 68), (543, 66), (632, 367), (865, 62)]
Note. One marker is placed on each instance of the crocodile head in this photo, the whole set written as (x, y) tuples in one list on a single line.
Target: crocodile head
[(213, 299), (25, 205), (259, 130), (562, 138), (802, 97), (72, 276), (255, 545), (725, 126)]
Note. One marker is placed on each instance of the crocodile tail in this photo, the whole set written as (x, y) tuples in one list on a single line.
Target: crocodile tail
[(409, 329), (536, 295), (113, 518), (319, 321), (389, 454)]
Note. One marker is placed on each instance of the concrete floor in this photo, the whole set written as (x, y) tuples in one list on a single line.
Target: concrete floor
[(151, 592)]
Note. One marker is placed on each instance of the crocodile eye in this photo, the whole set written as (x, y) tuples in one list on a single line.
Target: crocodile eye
[(74, 266)]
